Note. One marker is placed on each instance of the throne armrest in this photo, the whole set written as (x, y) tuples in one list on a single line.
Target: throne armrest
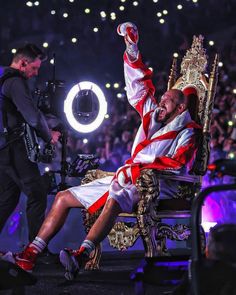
[(95, 174), (148, 186)]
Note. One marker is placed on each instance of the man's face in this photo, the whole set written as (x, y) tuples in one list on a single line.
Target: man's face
[(169, 107), (31, 68)]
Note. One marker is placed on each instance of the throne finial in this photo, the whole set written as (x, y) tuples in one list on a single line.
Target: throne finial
[(193, 67)]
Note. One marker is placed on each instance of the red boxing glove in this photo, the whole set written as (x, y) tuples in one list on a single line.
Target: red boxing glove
[(130, 33)]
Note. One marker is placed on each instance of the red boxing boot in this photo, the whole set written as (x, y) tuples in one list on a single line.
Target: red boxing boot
[(27, 258), (73, 261)]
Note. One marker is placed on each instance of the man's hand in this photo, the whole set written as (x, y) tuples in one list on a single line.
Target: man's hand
[(130, 33), (55, 136)]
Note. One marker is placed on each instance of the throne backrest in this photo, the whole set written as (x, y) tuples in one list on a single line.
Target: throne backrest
[(201, 92)]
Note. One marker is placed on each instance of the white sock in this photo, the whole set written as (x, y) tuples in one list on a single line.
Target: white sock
[(39, 244), (88, 245)]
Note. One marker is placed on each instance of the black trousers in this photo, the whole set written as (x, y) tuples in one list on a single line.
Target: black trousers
[(18, 174)]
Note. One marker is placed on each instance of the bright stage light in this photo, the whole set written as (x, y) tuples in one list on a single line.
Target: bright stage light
[(85, 128)]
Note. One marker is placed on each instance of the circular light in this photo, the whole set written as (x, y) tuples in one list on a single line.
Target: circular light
[(85, 128), (179, 6), (103, 14), (135, 3), (116, 85), (234, 91), (65, 15), (95, 29), (71, 1), (159, 14), (220, 64), (13, 50), (46, 169), (151, 69), (87, 10), (52, 61), (85, 140), (195, 1), (230, 123), (107, 116), (53, 12), (36, 3), (108, 85), (29, 3), (175, 54), (122, 1), (74, 40), (113, 15), (122, 8), (231, 155), (155, 1), (45, 44), (119, 95), (211, 43), (161, 20), (165, 11)]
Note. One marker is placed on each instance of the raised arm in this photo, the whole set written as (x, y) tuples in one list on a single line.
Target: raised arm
[(139, 87)]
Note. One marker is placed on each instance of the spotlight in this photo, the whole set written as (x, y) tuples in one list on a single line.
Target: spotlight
[(13, 50), (179, 6), (29, 3), (45, 44), (103, 14), (116, 85), (74, 40)]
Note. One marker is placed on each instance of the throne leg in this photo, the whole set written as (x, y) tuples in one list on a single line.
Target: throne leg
[(95, 256), (148, 234), (94, 259)]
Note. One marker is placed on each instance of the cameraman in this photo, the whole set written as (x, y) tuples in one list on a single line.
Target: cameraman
[(17, 173)]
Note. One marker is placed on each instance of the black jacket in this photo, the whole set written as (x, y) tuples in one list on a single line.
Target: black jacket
[(17, 107)]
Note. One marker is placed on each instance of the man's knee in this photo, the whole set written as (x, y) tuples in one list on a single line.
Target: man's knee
[(112, 205), (61, 198)]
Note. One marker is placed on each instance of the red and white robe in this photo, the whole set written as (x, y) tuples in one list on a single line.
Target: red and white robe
[(170, 148)]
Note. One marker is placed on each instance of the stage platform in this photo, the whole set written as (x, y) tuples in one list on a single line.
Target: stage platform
[(114, 278)]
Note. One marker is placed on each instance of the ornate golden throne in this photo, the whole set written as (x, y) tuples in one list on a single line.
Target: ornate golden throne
[(150, 210)]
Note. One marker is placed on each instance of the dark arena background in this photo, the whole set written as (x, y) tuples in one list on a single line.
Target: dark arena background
[(81, 42)]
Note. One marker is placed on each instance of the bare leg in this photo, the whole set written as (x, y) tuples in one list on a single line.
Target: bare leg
[(105, 222), (57, 215)]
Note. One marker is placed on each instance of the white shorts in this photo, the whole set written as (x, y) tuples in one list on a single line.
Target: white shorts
[(88, 194)]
